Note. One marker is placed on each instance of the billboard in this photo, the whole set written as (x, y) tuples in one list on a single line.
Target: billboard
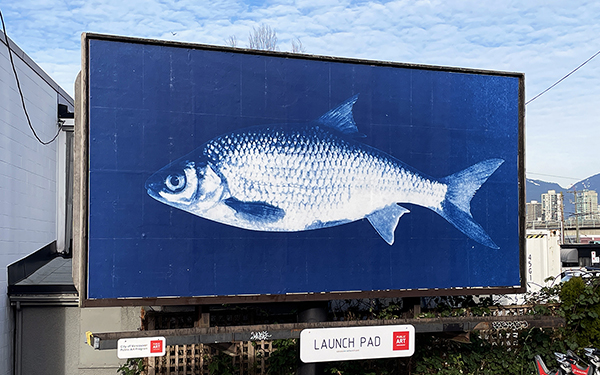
[(220, 174)]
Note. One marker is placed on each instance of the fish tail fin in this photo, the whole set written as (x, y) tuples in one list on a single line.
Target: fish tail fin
[(462, 186)]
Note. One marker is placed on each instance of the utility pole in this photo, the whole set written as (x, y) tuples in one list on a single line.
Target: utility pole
[(562, 218), (577, 240)]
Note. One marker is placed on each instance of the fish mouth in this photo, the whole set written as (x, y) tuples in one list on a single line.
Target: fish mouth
[(154, 184)]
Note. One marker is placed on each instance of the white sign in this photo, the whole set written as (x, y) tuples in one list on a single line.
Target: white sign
[(348, 343), (141, 347), (595, 259)]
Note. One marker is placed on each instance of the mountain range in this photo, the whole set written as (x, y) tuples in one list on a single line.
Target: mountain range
[(535, 188)]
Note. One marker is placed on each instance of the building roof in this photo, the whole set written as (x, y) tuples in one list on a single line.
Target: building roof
[(55, 272), (64, 97), (42, 277)]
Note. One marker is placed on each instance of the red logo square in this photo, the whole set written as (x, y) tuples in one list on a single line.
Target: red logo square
[(156, 346), (401, 340)]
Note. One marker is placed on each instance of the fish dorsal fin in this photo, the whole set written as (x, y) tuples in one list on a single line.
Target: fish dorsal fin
[(340, 118), (385, 221)]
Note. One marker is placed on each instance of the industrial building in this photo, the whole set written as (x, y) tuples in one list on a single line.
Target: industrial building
[(41, 326)]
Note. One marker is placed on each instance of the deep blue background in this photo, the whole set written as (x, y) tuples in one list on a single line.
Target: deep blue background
[(151, 104)]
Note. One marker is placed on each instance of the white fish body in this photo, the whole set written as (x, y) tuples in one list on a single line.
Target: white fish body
[(301, 177)]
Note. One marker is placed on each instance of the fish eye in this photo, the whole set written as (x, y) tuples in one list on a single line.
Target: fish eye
[(175, 182)]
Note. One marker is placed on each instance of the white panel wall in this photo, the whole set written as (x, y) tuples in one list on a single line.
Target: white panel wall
[(28, 175), (542, 258)]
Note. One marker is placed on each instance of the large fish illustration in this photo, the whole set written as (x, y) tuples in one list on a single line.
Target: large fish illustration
[(289, 178)]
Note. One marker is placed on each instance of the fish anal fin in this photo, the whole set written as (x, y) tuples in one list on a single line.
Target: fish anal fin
[(385, 221), (256, 211), (340, 118)]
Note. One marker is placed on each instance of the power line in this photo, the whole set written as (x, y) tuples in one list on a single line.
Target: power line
[(12, 63), (562, 79)]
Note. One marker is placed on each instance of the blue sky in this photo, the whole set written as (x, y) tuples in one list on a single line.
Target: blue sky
[(543, 39)]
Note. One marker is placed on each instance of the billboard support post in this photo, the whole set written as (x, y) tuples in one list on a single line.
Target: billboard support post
[(203, 317), (412, 305), (312, 313)]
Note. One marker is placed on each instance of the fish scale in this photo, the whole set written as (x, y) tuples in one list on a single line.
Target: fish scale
[(328, 192)]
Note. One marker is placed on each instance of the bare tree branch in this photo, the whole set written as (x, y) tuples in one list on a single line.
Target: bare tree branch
[(232, 41), (263, 38), (297, 46)]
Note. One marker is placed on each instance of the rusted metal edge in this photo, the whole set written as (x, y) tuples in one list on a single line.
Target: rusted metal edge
[(212, 335), (299, 297), (293, 55)]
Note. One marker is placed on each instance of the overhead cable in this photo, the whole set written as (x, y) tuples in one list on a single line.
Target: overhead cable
[(12, 63), (562, 79)]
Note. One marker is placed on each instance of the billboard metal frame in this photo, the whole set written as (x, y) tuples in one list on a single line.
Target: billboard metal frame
[(81, 189)]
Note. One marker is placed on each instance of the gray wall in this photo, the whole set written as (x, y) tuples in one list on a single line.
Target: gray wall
[(53, 339)]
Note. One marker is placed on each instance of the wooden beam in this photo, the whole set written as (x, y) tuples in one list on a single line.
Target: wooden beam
[(211, 335)]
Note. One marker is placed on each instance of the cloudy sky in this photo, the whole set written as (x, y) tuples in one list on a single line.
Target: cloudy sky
[(543, 39)]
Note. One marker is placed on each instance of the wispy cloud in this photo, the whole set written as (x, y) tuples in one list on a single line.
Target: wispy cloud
[(545, 40)]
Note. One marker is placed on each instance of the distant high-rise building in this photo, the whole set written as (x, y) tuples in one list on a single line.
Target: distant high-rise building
[(552, 206), (586, 204), (533, 211)]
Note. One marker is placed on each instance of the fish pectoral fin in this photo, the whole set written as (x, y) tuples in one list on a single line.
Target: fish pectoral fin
[(255, 211), (385, 221), (340, 118)]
